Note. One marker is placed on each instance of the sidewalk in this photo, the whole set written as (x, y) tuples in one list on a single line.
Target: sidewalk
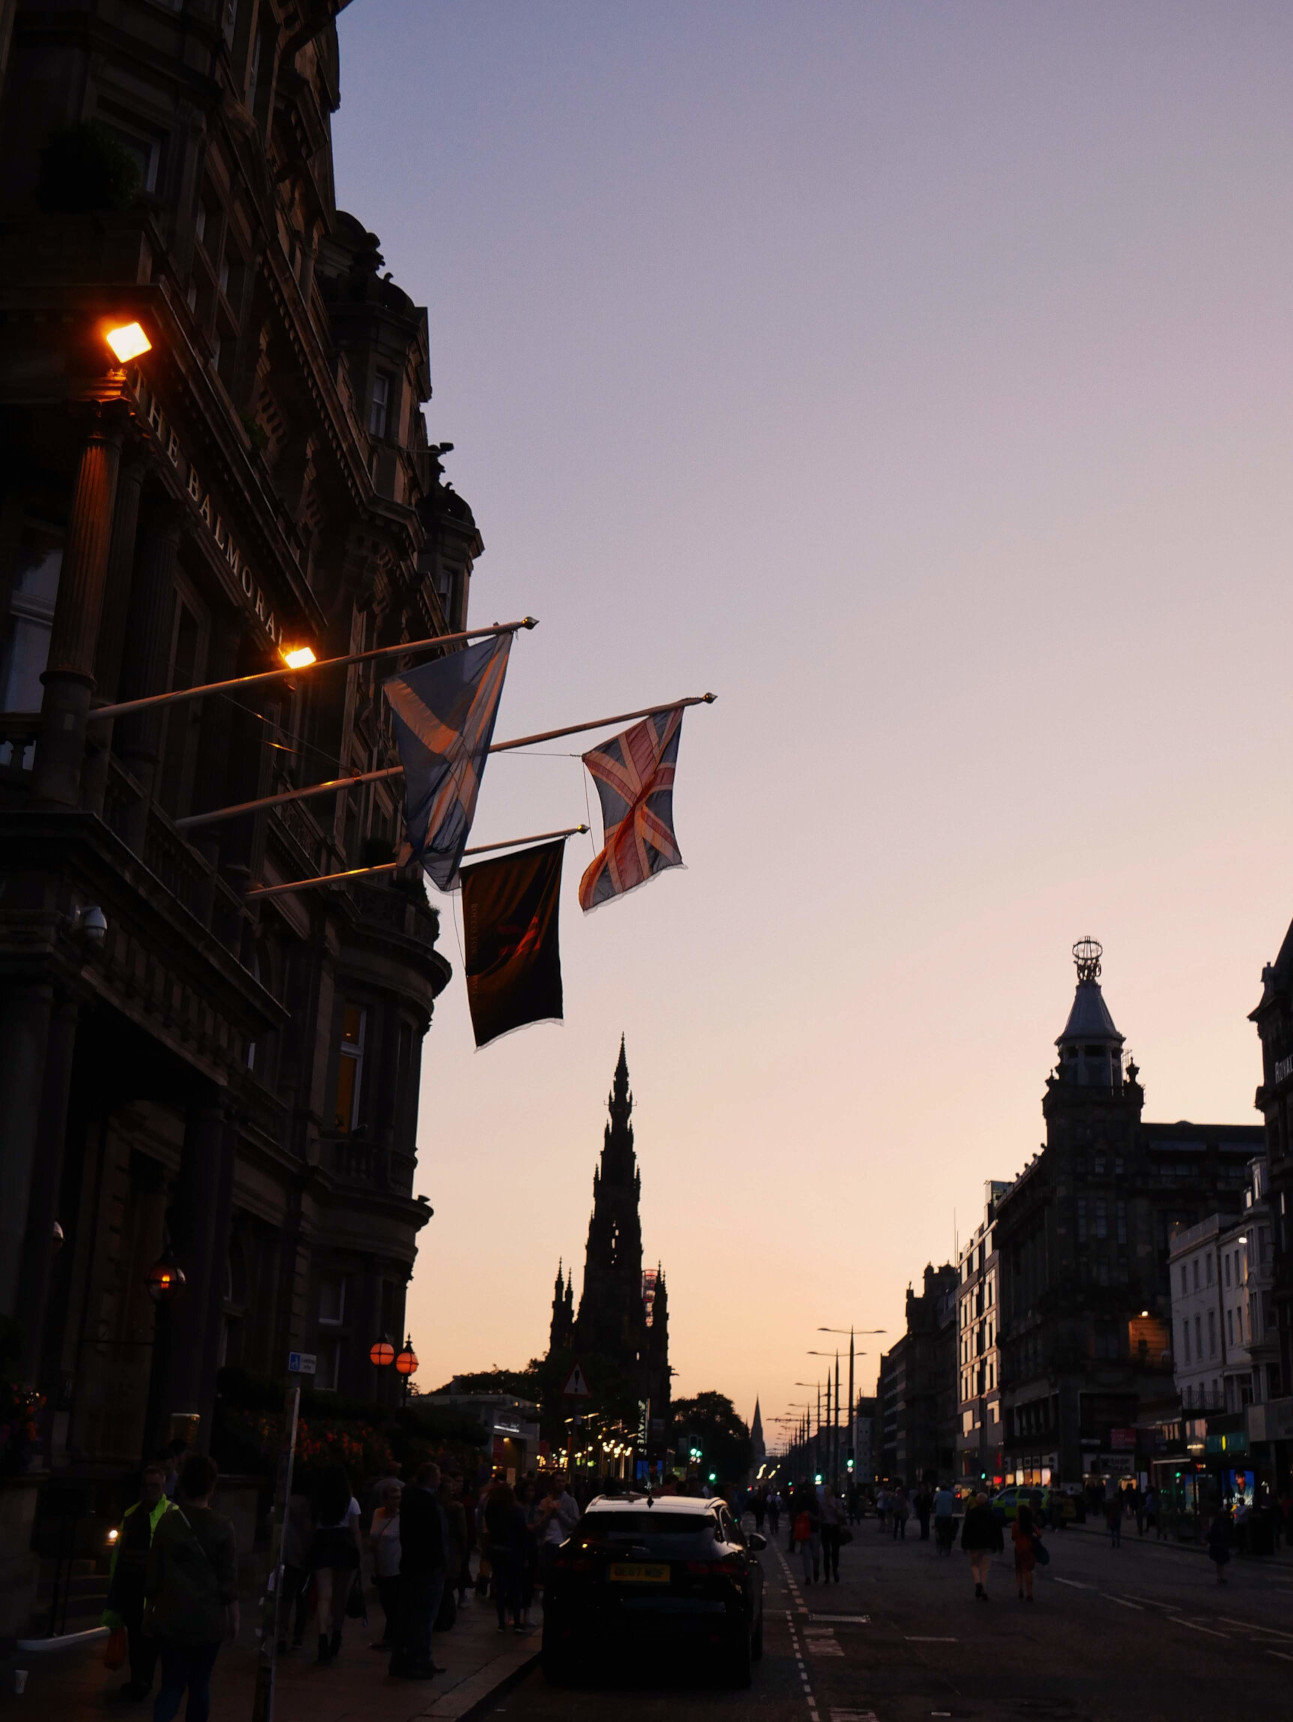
[(1093, 1528), (479, 1662)]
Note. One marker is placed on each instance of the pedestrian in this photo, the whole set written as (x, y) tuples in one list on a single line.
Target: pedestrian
[(384, 1545), (1219, 1543), (457, 1541), (901, 1509), (944, 1519), (1113, 1507), (192, 1592), (924, 1501), (1149, 1510), (128, 1576), (881, 1507), (298, 1534), (805, 1533), (774, 1513), (759, 1507), (423, 1573), (1024, 1536), (334, 1555), (981, 1538), (506, 1529), (830, 1514)]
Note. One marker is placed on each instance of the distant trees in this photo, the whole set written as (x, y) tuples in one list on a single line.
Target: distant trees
[(709, 1421)]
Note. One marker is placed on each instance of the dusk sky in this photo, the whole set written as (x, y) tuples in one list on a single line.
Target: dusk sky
[(918, 378)]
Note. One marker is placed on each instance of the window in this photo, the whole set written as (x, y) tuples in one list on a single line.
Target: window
[(332, 1301), (379, 412), (1226, 1259), (1081, 1219), (350, 1064), (328, 1374), (1121, 1212), (1101, 1219), (24, 644), (1212, 1333), (1185, 1329), (1184, 1287), (1198, 1337), (1209, 1270), (1230, 1328), (1196, 1273)]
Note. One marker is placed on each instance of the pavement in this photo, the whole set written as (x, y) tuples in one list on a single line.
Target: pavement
[(1142, 1633), (480, 1664)]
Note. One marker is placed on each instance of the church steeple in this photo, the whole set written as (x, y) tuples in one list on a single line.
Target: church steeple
[(1090, 1048)]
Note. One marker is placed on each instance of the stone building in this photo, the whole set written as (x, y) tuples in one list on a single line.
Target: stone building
[(1274, 1019), (978, 1325), (189, 1073), (917, 1385), (620, 1335), (1083, 1237)]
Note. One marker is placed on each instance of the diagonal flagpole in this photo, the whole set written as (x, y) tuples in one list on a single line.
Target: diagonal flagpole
[(405, 646), (335, 784), (392, 866)]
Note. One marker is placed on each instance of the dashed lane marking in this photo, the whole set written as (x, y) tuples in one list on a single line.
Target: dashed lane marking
[(1124, 1602), (843, 1619), (916, 1638), (1252, 1626), (1198, 1626), (1073, 1584), (853, 1716)]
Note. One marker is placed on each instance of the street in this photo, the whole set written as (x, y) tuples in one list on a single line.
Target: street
[(1142, 1633)]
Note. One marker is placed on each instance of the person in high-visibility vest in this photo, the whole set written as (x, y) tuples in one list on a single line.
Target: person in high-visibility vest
[(126, 1575)]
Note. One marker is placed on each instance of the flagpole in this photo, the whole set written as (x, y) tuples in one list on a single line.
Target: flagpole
[(255, 681), (336, 784), (393, 866)]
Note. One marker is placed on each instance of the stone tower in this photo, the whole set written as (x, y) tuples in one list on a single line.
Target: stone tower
[(612, 1317)]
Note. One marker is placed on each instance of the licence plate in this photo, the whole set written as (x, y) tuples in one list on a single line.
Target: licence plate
[(639, 1572)]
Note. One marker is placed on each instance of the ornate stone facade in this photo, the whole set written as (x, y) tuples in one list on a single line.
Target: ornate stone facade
[(230, 1078)]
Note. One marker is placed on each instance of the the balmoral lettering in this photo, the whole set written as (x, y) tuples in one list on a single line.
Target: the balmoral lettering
[(209, 514)]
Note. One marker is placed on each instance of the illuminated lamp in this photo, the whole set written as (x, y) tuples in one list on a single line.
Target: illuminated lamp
[(298, 657), (164, 1280), (382, 1354), (407, 1361), (127, 341)]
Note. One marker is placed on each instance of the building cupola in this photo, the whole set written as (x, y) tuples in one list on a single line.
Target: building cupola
[(1090, 1048)]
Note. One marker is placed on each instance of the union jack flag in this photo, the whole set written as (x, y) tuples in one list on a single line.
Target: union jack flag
[(634, 776)]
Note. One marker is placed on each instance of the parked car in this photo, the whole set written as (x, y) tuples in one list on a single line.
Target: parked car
[(1050, 1507), (673, 1573)]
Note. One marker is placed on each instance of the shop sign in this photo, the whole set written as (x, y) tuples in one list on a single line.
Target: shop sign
[(1234, 1441), (217, 527), (1122, 1440)]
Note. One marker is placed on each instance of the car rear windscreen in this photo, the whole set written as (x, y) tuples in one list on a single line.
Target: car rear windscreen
[(611, 1527)]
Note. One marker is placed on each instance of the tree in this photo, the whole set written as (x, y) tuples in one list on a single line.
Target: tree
[(710, 1422)]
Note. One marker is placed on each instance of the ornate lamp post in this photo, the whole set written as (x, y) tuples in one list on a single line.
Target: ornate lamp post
[(406, 1363)]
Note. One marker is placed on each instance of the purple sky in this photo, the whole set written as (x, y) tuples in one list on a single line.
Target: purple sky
[(917, 378)]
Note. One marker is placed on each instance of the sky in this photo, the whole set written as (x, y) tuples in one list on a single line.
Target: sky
[(918, 379)]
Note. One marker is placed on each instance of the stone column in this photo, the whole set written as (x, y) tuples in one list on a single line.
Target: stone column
[(46, 1182), (69, 672), (24, 1035), (112, 630), (148, 631), (200, 1215)]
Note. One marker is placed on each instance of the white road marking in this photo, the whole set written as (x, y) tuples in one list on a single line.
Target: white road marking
[(1073, 1584), (1198, 1626), (843, 1619), (854, 1716), (1124, 1602), (915, 1638), (1282, 1654)]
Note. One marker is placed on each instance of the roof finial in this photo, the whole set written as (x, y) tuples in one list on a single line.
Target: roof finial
[(1086, 954)]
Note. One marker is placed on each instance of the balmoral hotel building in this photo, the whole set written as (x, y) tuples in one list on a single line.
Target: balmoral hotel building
[(187, 1073)]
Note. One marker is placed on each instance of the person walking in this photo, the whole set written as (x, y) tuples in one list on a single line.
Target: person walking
[(1219, 1543), (457, 1539), (774, 1513), (944, 1519), (423, 1574), (923, 1502), (901, 1507), (1023, 1534), (1149, 1510), (981, 1538), (191, 1592), (128, 1575), (805, 1533), (506, 1529), (1113, 1508), (334, 1555), (384, 1546), (830, 1513)]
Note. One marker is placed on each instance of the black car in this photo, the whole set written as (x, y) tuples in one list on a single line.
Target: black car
[(673, 1571)]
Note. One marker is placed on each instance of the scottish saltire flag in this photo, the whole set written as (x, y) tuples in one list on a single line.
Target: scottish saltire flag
[(634, 777), (444, 722)]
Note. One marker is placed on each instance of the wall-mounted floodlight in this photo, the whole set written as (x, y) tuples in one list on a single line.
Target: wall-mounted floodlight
[(127, 341)]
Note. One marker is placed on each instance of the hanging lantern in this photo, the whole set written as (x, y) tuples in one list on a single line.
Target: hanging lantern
[(407, 1361), (382, 1354), (164, 1280)]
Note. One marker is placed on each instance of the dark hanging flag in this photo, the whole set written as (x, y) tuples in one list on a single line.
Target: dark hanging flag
[(634, 775), (509, 913), (443, 713)]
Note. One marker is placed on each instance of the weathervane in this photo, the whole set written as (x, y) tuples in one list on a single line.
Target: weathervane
[(1086, 954)]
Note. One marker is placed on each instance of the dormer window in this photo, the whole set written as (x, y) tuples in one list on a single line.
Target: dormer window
[(379, 411)]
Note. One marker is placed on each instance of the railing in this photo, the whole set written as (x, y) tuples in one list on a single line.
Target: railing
[(389, 906)]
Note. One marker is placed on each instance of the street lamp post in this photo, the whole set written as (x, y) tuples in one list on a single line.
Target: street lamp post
[(852, 1456)]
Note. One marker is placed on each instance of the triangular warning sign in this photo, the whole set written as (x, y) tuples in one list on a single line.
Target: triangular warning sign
[(577, 1386)]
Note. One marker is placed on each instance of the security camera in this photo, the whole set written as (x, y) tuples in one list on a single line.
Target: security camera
[(91, 925)]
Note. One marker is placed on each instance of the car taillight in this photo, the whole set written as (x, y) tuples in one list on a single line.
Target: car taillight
[(574, 1563), (729, 1566)]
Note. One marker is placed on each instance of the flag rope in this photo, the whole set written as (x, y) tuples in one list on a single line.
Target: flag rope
[(336, 784), (393, 866)]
